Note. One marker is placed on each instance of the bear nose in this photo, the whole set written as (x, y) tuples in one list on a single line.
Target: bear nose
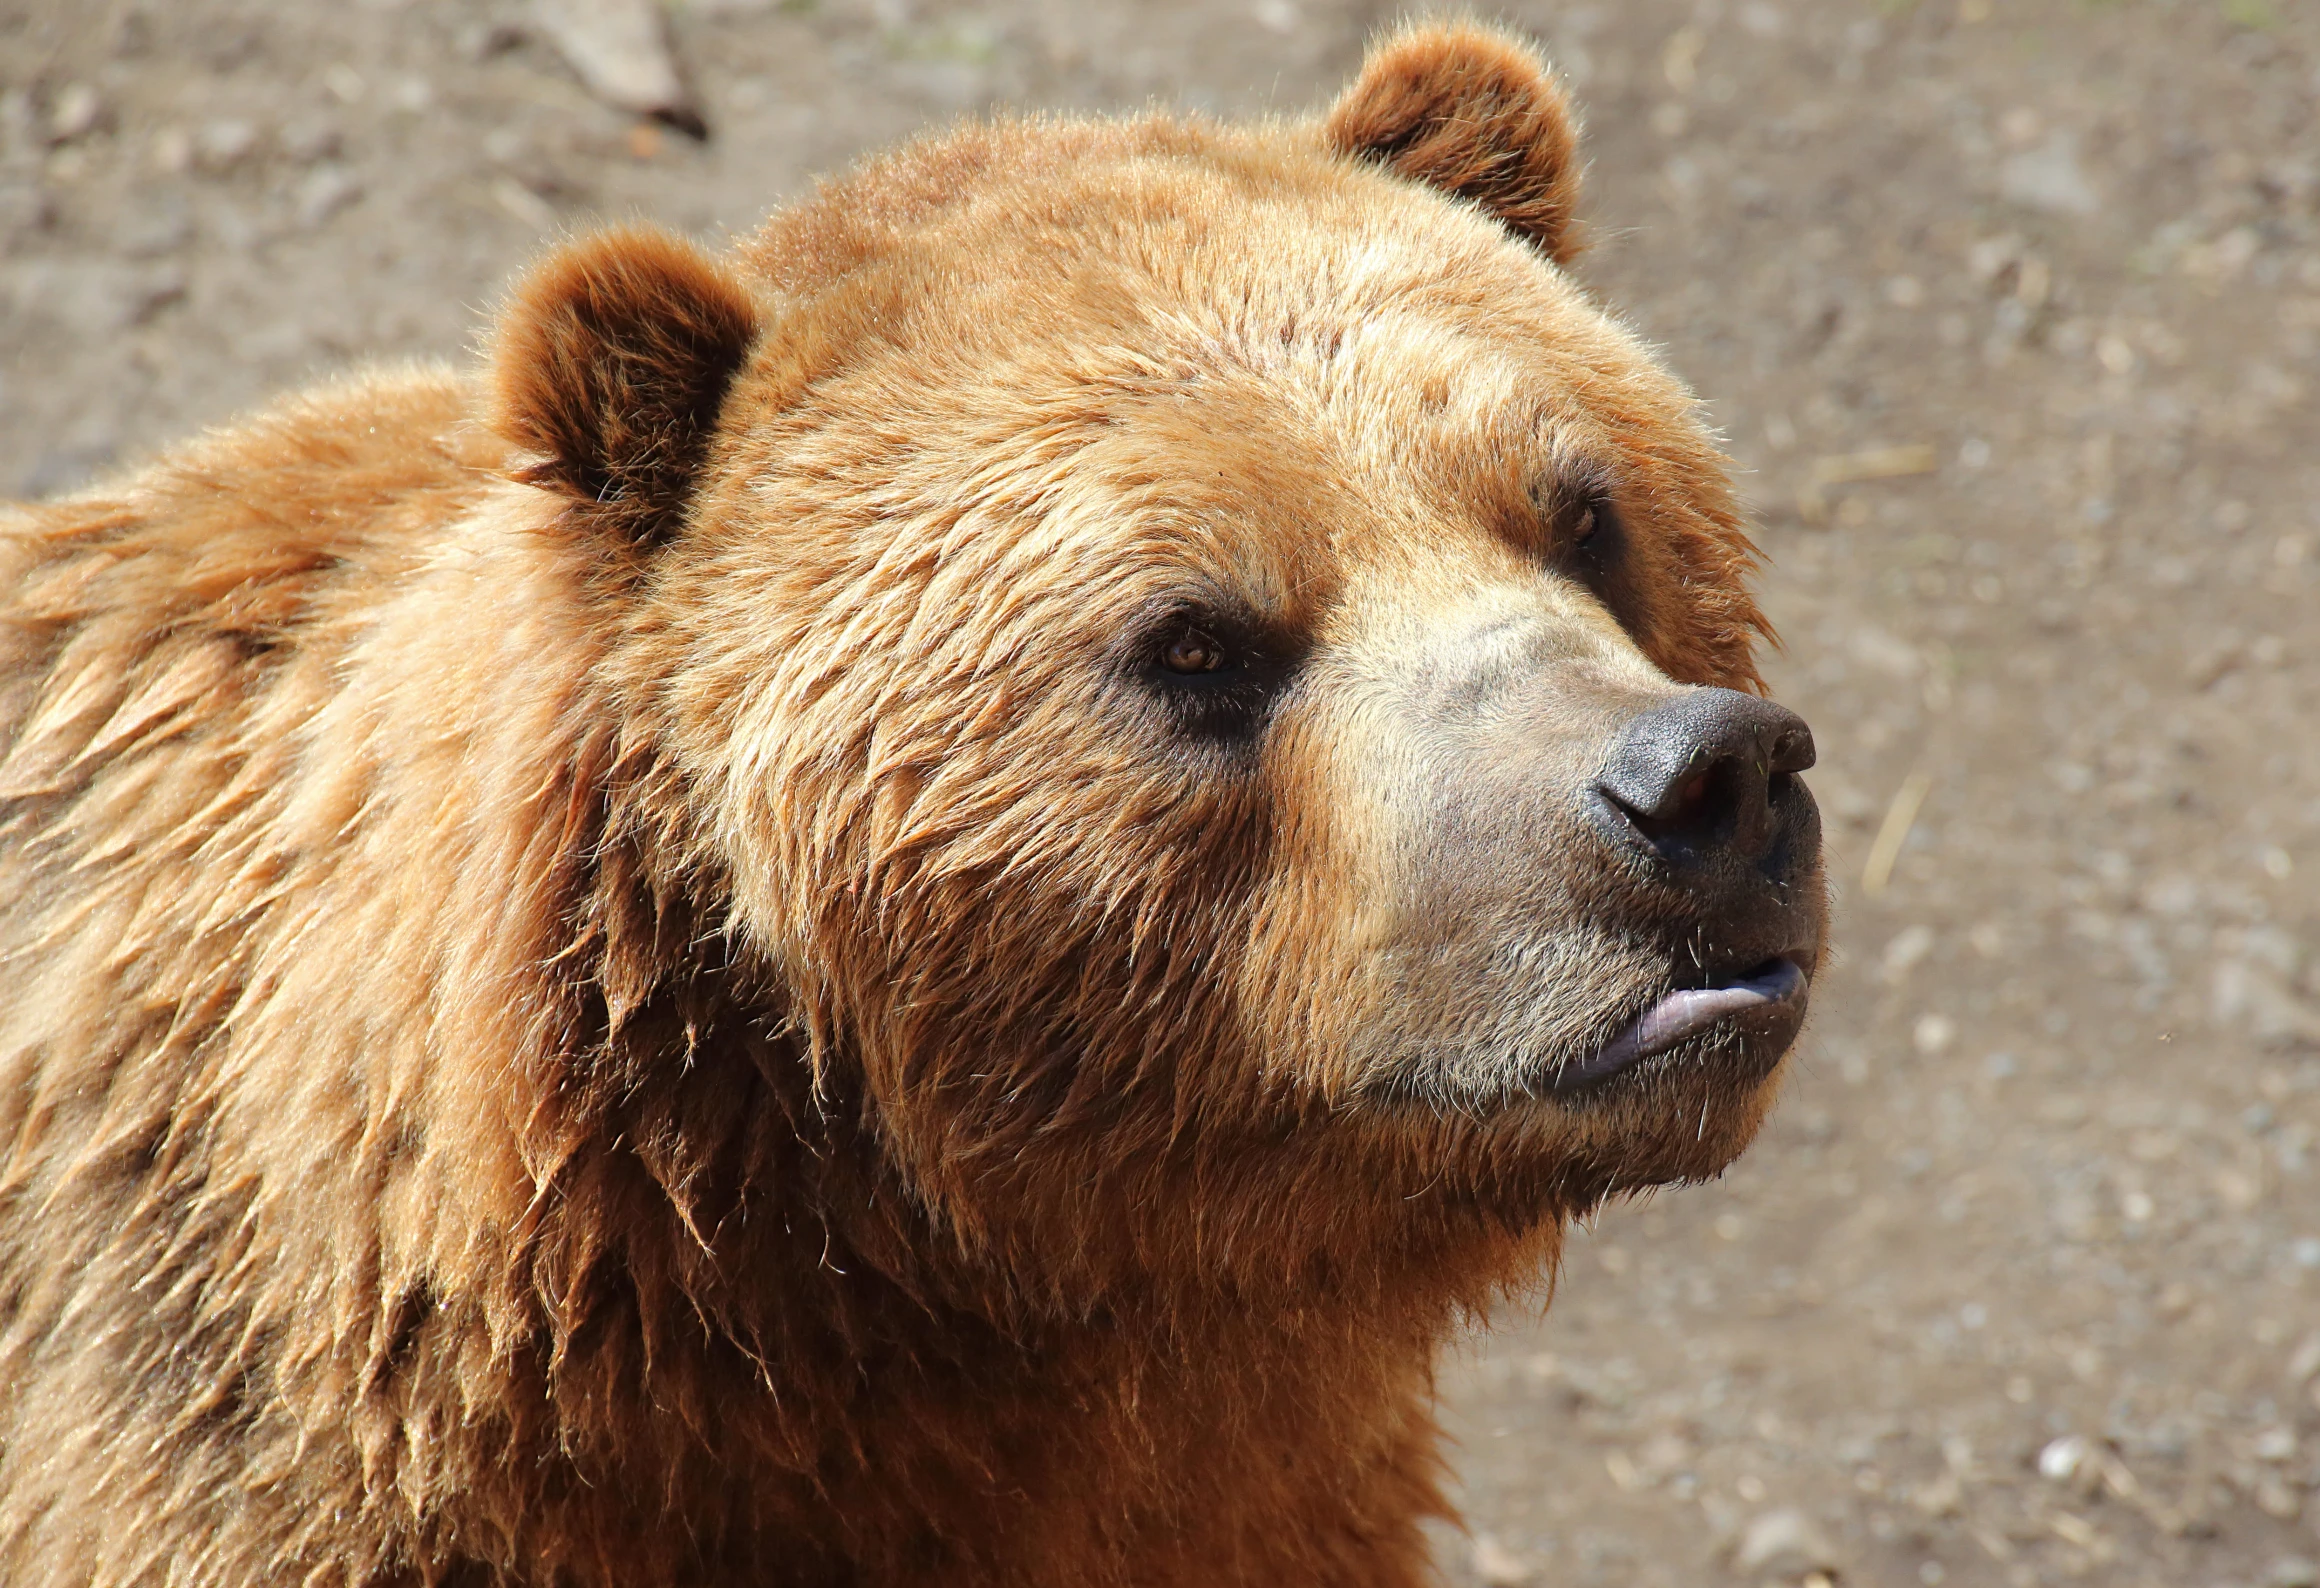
[(1703, 774)]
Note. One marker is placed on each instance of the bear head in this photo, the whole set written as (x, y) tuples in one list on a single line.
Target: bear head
[(1212, 678)]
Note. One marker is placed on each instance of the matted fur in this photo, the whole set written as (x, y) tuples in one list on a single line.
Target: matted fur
[(776, 1068)]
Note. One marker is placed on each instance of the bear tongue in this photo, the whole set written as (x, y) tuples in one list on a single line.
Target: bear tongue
[(1684, 1013)]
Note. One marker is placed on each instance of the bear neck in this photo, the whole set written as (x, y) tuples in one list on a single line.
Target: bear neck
[(743, 1316)]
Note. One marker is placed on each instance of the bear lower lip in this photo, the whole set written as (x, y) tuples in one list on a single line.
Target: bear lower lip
[(1685, 1013)]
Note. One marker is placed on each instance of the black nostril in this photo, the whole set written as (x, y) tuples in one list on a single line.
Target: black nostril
[(1703, 771)]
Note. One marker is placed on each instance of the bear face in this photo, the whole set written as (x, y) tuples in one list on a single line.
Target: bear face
[(1203, 658)]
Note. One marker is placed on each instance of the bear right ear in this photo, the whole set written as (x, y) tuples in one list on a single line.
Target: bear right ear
[(611, 362), (1475, 112)]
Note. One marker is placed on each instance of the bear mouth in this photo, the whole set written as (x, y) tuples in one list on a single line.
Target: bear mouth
[(1767, 1005)]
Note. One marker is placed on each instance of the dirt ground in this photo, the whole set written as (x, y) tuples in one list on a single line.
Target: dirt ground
[(2011, 310)]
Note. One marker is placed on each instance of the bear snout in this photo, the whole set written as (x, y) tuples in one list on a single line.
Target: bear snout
[(1709, 779), (1716, 845), (1601, 868), (1701, 800)]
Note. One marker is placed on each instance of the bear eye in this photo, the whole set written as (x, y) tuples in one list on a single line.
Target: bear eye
[(1591, 547), (1589, 540), (1195, 651), (1215, 675)]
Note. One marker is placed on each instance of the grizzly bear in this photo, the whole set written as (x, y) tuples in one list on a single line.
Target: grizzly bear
[(918, 904)]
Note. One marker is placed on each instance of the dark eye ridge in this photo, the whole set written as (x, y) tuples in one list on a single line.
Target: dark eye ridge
[(1195, 651)]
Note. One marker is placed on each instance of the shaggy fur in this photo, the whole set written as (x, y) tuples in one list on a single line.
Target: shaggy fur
[(616, 974)]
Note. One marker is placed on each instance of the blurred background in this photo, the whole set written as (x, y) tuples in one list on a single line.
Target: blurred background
[(2010, 310)]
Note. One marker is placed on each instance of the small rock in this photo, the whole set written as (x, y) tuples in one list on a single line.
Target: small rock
[(2049, 178), (1498, 1566), (1908, 946), (75, 113), (2293, 1571), (2279, 1501), (2257, 988), (151, 289), (2305, 1363), (2060, 1461), (1278, 16), (221, 145), (525, 205), (1989, 259), (1784, 1543), (2275, 1444), (480, 41), (620, 49), (309, 139), (173, 151), (326, 190)]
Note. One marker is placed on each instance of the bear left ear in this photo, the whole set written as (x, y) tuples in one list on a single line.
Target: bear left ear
[(1475, 112), (610, 365)]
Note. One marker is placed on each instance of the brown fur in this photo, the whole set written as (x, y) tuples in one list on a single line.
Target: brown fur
[(1482, 120), (613, 361), (767, 1068)]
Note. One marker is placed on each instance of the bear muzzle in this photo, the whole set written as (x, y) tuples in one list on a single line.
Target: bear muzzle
[(1605, 878), (1703, 794), (1701, 799)]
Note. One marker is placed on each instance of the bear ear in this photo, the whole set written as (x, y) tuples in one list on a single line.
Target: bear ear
[(610, 364), (1475, 112)]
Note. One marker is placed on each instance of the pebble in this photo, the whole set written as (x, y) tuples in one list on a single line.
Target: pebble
[(1908, 946), (2049, 178), (172, 151), (620, 49), (2293, 1571), (308, 139), (326, 190), (1784, 1543), (75, 114), (2060, 1460), (1498, 1566), (221, 145)]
